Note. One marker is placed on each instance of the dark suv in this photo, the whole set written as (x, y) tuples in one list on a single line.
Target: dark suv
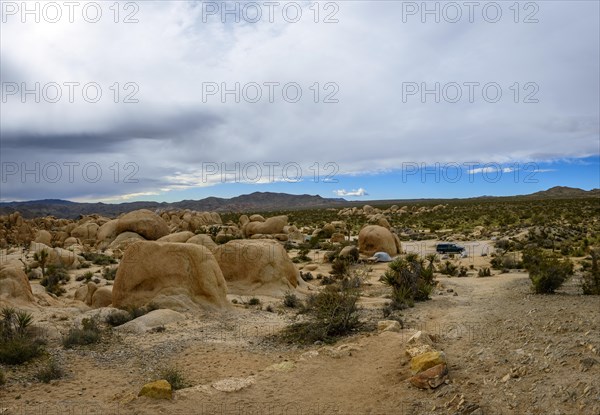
[(449, 249)]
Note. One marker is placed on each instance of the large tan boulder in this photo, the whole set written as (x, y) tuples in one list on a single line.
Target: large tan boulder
[(177, 237), (270, 226), (244, 220), (14, 286), (375, 238), (107, 231), (57, 256), (143, 222), (257, 266), (153, 319), (43, 237), (171, 275), (86, 231), (124, 240), (102, 297), (204, 240), (70, 241)]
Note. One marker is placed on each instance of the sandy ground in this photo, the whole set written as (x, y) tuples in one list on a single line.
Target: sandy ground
[(509, 352)]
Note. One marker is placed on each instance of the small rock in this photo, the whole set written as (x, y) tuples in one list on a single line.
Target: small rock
[(427, 360), (233, 384), (388, 325), (161, 389), (430, 378)]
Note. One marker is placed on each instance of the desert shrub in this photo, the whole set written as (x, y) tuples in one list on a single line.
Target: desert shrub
[(291, 300), (591, 278), (327, 280), (340, 267), (331, 313), (109, 274), (86, 276), (41, 258), (302, 256), (506, 261), (174, 377), (503, 245), (51, 371), (410, 280), (254, 301), (270, 309), (546, 271), (462, 271), (55, 277), (306, 276), (18, 344), (117, 318), (484, 272), (449, 269), (99, 259), (135, 311), (88, 333)]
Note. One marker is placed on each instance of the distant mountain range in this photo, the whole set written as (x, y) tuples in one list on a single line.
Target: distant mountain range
[(564, 192), (254, 202), (257, 201)]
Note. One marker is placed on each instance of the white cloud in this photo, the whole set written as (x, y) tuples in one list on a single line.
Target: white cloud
[(358, 192), (172, 51)]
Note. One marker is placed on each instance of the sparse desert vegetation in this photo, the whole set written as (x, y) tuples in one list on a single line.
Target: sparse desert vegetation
[(202, 308)]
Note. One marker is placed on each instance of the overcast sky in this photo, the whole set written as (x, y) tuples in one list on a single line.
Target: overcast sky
[(370, 134)]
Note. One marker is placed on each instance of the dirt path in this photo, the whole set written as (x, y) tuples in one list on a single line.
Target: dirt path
[(509, 352), (493, 328)]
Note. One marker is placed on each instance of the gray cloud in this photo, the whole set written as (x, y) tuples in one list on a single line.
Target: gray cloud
[(369, 54)]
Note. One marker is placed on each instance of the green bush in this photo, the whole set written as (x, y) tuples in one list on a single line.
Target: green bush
[(109, 274), (51, 371), (411, 280), (449, 269), (290, 300), (254, 301), (118, 318), (41, 258), (88, 333), (86, 276), (327, 280), (18, 344), (591, 278), (174, 377), (506, 261), (340, 267), (302, 256), (546, 271), (331, 313), (99, 259), (55, 277), (306, 276)]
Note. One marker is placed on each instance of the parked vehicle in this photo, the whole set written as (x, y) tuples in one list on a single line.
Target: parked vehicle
[(446, 248)]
